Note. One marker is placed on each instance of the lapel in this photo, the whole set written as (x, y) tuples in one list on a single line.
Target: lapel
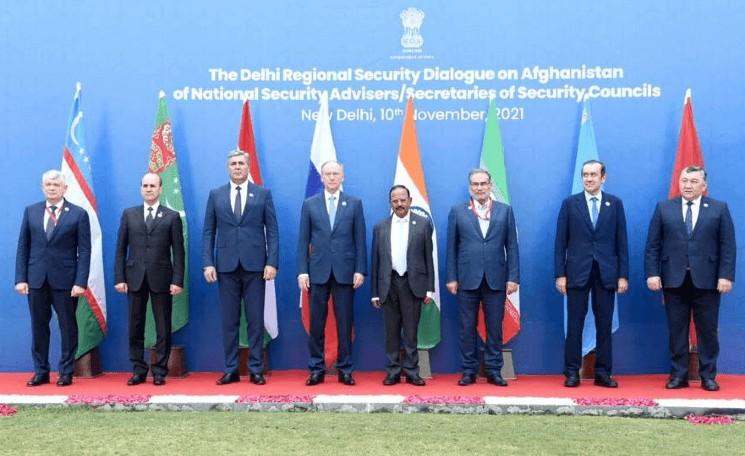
[(157, 217), (492, 219), (319, 201), (703, 212), (580, 204), (386, 241), (603, 210), (676, 206), (61, 220)]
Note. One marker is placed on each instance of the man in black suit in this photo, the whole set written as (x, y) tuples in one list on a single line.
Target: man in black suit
[(483, 267), (52, 266), (150, 265), (403, 277), (240, 252), (690, 256), (591, 256), (332, 260)]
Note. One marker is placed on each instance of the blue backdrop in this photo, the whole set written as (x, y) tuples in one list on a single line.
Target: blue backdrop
[(125, 53)]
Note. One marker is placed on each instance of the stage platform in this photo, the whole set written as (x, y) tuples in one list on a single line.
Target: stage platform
[(638, 395)]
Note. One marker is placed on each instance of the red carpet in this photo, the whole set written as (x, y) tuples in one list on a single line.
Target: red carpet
[(293, 382)]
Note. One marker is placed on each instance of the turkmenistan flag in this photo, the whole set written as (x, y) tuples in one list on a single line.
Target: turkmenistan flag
[(409, 172), (163, 162), (492, 160), (91, 310)]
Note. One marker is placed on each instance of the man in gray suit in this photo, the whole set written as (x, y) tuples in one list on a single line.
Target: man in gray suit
[(403, 277), (150, 265), (482, 268)]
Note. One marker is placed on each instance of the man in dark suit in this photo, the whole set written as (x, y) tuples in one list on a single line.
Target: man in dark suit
[(690, 256), (241, 252), (591, 256), (150, 265), (482, 267), (403, 277), (332, 260), (52, 266)]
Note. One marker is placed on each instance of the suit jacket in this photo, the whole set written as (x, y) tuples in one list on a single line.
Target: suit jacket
[(63, 260), (710, 252), (419, 261), (472, 256), (158, 251), (340, 249), (578, 243), (252, 241)]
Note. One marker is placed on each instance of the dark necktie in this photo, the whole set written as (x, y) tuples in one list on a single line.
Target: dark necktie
[(237, 204), (689, 219), (149, 219), (51, 222), (594, 211)]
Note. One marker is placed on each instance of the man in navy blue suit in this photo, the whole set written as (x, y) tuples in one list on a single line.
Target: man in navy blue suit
[(690, 256), (240, 252), (482, 265), (591, 257), (52, 266), (332, 260)]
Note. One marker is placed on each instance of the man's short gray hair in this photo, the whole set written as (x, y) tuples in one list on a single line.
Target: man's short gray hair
[(53, 174)]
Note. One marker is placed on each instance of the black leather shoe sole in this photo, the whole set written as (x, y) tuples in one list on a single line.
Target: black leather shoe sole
[(228, 379), (467, 380), (314, 380)]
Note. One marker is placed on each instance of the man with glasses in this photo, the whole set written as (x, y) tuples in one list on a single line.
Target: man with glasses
[(482, 268)]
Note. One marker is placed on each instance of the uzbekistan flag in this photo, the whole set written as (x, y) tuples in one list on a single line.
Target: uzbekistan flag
[(247, 143), (409, 172), (321, 150), (492, 160), (91, 311)]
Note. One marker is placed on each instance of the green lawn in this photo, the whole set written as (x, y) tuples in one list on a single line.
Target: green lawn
[(56, 431)]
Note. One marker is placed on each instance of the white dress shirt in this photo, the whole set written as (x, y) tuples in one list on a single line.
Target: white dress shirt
[(695, 207), (233, 192), (399, 242), (155, 210), (57, 212), (588, 199), (484, 215)]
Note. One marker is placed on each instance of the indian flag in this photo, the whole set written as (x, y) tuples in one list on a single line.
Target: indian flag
[(492, 160), (91, 311), (409, 172)]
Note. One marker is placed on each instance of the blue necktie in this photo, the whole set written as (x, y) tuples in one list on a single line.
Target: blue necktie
[(594, 212), (689, 219), (332, 210)]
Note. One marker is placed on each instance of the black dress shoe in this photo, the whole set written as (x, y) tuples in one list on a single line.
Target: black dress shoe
[(467, 379), (415, 380), (257, 379), (136, 379), (230, 377), (572, 381), (159, 380), (314, 379), (676, 383), (709, 384), (38, 379), (496, 379), (392, 380), (347, 379), (64, 380), (606, 381)]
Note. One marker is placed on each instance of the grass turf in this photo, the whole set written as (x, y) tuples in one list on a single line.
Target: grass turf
[(63, 431)]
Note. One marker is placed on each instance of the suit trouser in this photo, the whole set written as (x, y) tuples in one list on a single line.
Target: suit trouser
[(343, 295), (493, 303), (40, 304), (401, 309), (162, 305), (247, 286), (704, 304), (602, 308)]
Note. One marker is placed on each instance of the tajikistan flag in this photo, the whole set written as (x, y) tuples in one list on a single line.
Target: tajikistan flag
[(409, 172)]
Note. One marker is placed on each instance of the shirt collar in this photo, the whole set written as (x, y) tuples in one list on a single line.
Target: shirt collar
[(57, 205), (154, 206), (588, 196), (696, 202), (398, 219), (328, 195)]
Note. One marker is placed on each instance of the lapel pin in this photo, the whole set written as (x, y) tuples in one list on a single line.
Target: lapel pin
[(67, 209), (343, 203), (607, 203), (706, 204), (413, 222), (250, 195), (160, 214)]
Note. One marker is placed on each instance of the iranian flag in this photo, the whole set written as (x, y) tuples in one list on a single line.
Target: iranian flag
[(409, 172), (688, 154), (492, 160), (322, 149), (163, 162), (247, 143), (91, 310)]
